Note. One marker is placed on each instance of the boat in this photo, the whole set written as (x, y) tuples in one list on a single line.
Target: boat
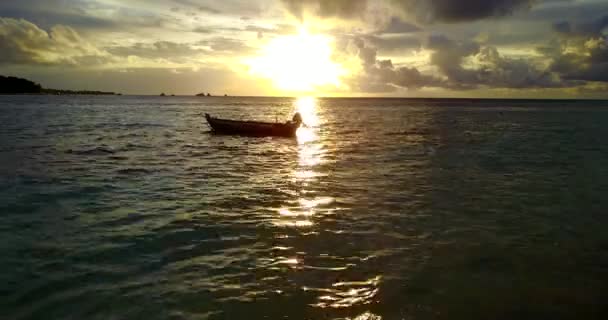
[(255, 128)]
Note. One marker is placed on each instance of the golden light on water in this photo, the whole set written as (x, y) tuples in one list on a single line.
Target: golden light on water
[(298, 62), (288, 213), (307, 107), (367, 316), (305, 211), (348, 294), (310, 148), (301, 211)]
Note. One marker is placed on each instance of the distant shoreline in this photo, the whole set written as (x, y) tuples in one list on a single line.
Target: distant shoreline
[(23, 87), (64, 93), (295, 97), (19, 86)]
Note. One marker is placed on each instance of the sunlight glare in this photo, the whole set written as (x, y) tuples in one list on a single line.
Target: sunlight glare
[(299, 62), (306, 106)]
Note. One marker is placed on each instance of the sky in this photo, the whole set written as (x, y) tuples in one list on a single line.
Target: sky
[(393, 48)]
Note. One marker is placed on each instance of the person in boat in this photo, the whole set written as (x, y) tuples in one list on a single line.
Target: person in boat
[(297, 119)]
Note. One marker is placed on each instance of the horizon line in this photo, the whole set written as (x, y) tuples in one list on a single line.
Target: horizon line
[(317, 97)]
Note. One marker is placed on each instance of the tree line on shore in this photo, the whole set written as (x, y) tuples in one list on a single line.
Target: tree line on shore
[(14, 85)]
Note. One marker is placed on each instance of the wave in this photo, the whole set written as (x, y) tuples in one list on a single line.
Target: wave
[(419, 132), (96, 151), (128, 171)]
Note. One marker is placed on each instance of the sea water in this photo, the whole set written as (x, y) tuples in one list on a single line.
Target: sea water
[(127, 207)]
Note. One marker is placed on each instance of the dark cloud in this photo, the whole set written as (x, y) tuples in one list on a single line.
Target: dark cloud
[(396, 25), (577, 11), (581, 59), (599, 73), (581, 53), (501, 72), (52, 12), (383, 76), (462, 66), (584, 29), (326, 8), (448, 56), (562, 27), (391, 44), (488, 68), (422, 10), (78, 14), (459, 10)]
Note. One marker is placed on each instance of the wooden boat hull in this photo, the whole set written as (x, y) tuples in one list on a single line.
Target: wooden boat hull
[(252, 128)]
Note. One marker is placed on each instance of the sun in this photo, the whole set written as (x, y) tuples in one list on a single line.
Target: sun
[(300, 62)]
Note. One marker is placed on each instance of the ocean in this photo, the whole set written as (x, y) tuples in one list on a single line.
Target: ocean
[(125, 207)]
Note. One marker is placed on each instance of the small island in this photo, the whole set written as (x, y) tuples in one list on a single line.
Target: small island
[(14, 85)]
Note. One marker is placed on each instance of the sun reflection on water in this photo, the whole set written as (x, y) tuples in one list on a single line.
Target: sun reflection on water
[(300, 211), (367, 316), (302, 215), (348, 294), (307, 107)]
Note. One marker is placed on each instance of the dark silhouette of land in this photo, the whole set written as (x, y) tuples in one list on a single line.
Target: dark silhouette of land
[(10, 85), (14, 85)]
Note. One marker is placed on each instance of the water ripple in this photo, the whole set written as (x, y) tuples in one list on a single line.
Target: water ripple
[(380, 209)]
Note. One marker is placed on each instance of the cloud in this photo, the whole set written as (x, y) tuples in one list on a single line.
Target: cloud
[(422, 10), (47, 13), (200, 7), (168, 50), (584, 29), (448, 56), (396, 25), (276, 29), (498, 71), (486, 67), (205, 30), (280, 29), (458, 10), (394, 43), (187, 81), (383, 76), (580, 59), (488, 44), (22, 42), (226, 45), (326, 8), (581, 52), (562, 27), (460, 65), (567, 10)]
